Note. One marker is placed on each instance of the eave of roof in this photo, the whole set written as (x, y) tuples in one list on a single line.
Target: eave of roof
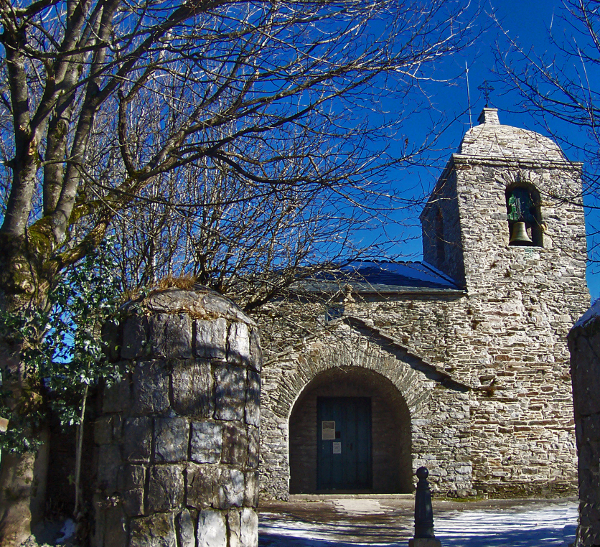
[(386, 278)]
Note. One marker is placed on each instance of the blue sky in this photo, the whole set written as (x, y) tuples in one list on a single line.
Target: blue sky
[(528, 22)]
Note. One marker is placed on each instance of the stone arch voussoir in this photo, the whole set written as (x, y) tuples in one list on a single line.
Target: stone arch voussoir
[(344, 347)]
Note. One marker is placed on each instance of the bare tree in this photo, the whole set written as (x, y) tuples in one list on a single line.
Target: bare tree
[(105, 100), (242, 242), (559, 88)]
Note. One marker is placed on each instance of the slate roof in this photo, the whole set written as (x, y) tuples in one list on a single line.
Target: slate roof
[(385, 277)]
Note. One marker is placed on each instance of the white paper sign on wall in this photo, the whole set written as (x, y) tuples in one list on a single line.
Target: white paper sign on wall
[(327, 431)]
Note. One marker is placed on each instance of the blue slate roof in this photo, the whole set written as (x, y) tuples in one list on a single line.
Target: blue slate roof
[(386, 277)]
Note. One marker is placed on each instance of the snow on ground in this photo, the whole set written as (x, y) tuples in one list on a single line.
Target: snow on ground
[(542, 524), (552, 525)]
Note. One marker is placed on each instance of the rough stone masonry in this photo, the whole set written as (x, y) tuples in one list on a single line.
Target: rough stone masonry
[(178, 439), (466, 374)]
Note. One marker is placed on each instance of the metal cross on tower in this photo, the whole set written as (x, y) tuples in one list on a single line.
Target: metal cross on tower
[(487, 89)]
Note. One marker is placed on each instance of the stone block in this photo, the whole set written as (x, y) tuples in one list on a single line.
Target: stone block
[(249, 528), (115, 527), (109, 462), (112, 336), (103, 430), (108, 429), (206, 442), (253, 399), (253, 447), (165, 488), (211, 339), (153, 531), (256, 355), (117, 397), (135, 338), (193, 389), (212, 529), (171, 439), (133, 479), (230, 392), (151, 388), (117, 427), (186, 529), (235, 444), (231, 488), (424, 542), (590, 428), (171, 336), (251, 489), (202, 485), (234, 525), (137, 442), (238, 344)]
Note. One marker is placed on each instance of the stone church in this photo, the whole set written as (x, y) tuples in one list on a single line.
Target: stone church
[(460, 362)]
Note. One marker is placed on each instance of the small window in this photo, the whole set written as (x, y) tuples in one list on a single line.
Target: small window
[(524, 217)]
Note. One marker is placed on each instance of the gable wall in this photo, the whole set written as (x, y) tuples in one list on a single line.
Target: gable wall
[(439, 418), (509, 432)]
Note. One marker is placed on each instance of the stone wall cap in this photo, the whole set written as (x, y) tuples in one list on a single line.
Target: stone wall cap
[(489, 115), (458, 157), (200, 302)]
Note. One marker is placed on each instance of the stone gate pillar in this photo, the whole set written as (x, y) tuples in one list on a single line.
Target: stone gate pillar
[(178, 437), (584, 344)]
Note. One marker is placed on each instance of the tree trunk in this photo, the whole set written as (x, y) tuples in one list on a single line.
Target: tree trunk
[(22, 493), (22, 476), (16, 484)]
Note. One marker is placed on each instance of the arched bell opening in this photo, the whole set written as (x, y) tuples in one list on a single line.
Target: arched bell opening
[(350, 430), (524, 216)]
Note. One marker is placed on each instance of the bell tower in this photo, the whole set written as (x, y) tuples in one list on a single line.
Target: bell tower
[(506, 215), (505, 220)]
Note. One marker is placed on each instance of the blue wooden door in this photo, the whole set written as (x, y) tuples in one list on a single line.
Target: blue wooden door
[(344, 443)]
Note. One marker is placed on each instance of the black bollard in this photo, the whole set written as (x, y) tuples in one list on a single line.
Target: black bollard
[(423, 513), (423, 508)]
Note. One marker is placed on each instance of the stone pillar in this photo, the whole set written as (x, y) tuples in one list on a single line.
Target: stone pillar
[(178, 436), (584, 345)]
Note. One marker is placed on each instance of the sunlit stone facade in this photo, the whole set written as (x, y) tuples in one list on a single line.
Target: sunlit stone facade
[(467, 372)]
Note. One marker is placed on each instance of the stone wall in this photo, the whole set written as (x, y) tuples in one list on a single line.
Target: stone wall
[(179, 435), (495, 352), (432, 411), (493, 419), (584, 344)]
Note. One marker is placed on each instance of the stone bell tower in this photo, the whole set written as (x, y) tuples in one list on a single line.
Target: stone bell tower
[(505, 221), (504, 179)]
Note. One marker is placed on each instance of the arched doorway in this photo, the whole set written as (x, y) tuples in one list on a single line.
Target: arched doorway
[(350, 431)]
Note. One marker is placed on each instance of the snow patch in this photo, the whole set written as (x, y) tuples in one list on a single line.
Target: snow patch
[(589, 315)]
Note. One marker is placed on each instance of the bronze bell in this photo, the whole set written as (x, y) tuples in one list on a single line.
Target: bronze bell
[(519, 235)]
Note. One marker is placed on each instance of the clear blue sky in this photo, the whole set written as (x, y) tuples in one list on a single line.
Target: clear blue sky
[(527, 22)]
